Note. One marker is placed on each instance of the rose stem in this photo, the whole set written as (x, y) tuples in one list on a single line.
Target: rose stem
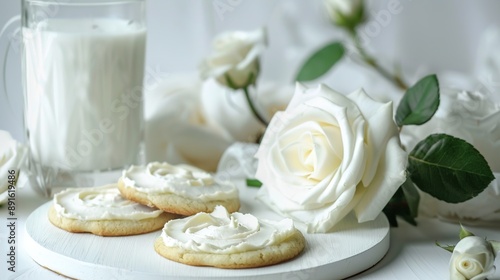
[(396, 79), (252, 107)]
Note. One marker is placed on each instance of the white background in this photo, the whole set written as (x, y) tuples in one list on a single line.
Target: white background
[(434, 35)]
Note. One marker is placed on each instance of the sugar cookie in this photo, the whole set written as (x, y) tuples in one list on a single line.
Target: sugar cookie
[(103, 211), (180, 189), (228, 240)]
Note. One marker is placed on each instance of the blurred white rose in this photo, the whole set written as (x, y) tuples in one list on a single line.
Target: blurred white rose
[(472, 259), (471, 116), (328, 154), (488, 61), (235, 55), (187, 122), (228, 109), (175, 128), (13, 156), (348, 13)]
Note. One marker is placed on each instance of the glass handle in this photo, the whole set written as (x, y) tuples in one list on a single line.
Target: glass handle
[(6, 26)]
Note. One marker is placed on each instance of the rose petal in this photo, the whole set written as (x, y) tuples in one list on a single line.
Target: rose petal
[(378, 132), (390, 175)]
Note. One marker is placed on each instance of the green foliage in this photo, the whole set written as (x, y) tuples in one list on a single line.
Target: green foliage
[(448, 168), (448, 248), (412, 197), (254, 183), (464, 233), (398, 206), (419, 103), (496, 246), (320, 62)]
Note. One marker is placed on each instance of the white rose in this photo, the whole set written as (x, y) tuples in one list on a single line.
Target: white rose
[(345, 12), (228, 109), (488, 61), (236, 55), (471, 116), (13, 156), (328, 154), (472, 259), (175, 127)]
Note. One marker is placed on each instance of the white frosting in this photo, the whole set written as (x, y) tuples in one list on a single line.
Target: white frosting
[(83, 91), (224, 233), (183, 180), (100, 203)]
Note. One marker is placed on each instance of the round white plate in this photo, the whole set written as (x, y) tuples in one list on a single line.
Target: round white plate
[(351, 249)]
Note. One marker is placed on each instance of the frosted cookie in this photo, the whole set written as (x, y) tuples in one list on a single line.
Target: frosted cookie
[(103, 211), (180, 189), (228, 240)]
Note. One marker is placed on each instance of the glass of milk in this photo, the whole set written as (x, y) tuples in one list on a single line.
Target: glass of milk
[(83, 68)]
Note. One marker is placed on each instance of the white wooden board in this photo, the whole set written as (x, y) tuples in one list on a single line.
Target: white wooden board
[(352, 248)]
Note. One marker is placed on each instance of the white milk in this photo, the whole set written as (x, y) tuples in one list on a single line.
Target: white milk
[(84, 93)]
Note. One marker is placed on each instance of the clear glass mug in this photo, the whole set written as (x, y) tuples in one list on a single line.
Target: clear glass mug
[(83, 70)]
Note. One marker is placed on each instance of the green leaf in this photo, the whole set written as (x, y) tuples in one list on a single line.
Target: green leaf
[(412, 196), (448, 168), (464, 233), (408, 218), (254, 183), (448, 248), (398, 207), (320, 62), (391, 216), (496, 246), (419, 103)]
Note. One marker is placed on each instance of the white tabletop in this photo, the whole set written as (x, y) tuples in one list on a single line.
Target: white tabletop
[(412, 254)]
